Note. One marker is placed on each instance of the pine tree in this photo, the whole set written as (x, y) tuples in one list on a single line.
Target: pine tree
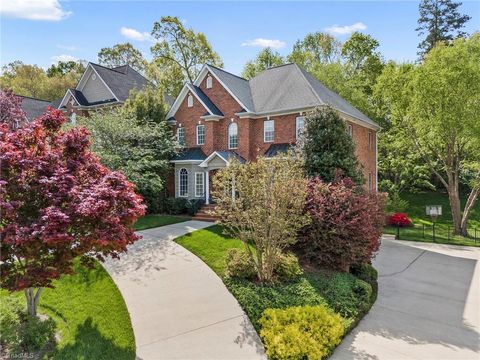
[(328, 148), (441, 21)]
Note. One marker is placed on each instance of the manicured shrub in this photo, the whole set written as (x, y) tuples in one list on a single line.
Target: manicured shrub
[(239, 264), (193, 206), (395, 203), (365, 272), (347, 222), (309, 332), (399, 220), (287, 267), (11, 309), (36, 333)]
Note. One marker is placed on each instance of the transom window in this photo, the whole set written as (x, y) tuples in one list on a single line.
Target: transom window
[(268, 130), (181, 136), (199, 184), (190, 101), (209, 82), (200, 134), (299, 126), (233, 136), (183, 182)]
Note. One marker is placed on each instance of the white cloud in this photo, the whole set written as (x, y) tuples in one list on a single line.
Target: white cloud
[(47, 10), (67, 47), (347, 29), (271, 43), (133, 34), (63, 57)]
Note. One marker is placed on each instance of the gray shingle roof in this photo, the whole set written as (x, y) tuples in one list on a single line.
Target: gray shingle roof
[(33, 107), (230, 154), (276, 149), (190, 154), (239, 86), (121, 79), (213, 110)]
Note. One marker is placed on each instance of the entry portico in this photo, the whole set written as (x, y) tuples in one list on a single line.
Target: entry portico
[(192, 171)]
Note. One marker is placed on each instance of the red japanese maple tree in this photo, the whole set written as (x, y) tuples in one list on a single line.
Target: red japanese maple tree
[(11, 112), (58, 203)]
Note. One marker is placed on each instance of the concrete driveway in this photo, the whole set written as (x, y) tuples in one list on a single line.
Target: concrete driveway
[(179, 307), (428, 305)]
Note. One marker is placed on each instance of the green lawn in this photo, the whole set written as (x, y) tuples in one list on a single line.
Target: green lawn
[(422, 222), (342, 292), (91, 316), (156, 220)]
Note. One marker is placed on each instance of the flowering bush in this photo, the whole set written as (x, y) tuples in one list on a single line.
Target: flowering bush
[(400, 220), (347, 222)]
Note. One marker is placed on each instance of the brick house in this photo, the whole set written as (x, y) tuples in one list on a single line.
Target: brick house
[(100, 87), (222, 116)]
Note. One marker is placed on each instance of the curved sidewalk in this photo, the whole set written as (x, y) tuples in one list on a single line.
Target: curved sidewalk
[(428, 305), (179, 307)]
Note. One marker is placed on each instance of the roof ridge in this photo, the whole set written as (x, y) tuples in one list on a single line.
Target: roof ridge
[(112, 69), (273, 67), (225, 71), (302, 72)]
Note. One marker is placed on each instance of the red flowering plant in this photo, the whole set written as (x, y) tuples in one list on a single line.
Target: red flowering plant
[(399, 220), (347, 223), (58, 203)]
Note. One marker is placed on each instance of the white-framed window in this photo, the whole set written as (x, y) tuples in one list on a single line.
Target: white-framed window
[(370, 140), (181, 136), (200, 134), (190, 100), (299, 126), (370, 181), (199, 184), (233, 136), (208, 84), (268, 130), (183, 182), (350, 130)]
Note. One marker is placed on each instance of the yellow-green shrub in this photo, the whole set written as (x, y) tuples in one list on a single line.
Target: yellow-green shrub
[(304, 332)]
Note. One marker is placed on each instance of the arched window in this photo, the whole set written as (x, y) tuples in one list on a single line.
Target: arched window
[(233, 136), (183, 182), (209, 82), (190, 101)]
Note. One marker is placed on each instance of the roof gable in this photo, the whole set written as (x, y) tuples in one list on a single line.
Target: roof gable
[(212, 110)]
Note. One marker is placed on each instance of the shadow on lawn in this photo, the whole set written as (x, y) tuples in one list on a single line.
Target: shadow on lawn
[(90, 344)]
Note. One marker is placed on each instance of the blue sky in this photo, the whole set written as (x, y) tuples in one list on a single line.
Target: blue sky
[(42, 31)]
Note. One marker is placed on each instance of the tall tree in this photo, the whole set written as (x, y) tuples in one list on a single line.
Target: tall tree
[(181, 48), (436, 107), (314, 49), (122, 54), (328, 148), (440, 20), (63, 68), (265, 59), (58, 203)]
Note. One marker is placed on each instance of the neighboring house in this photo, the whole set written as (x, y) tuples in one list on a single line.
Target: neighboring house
[(33, 107), (101, 87), (222, 116)]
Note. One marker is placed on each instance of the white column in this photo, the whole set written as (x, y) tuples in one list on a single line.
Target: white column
[(207, 187)]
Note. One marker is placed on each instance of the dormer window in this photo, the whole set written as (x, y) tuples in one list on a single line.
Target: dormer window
[(208, 84), (190, 101)]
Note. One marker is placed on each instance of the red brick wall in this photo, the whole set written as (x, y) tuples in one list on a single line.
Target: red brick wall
[(250, 131)]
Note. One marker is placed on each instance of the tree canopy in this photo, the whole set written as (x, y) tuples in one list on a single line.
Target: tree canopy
[(122, 54), (265, 59)]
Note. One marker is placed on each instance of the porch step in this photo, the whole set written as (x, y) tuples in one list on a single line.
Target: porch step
[(204, 215)]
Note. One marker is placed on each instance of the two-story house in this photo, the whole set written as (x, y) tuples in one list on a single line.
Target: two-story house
[(222, 116)]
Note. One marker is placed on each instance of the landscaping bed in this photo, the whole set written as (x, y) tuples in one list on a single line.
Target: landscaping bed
[(422, 227), (342, 294), (90, 315)]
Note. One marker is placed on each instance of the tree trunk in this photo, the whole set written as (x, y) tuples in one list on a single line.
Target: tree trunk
[(472, 199), (33, 298)]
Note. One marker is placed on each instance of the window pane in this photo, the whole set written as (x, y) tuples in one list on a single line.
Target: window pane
[(181, 136), (232, 136), (200, 134), (300, 124), (268, 130), (199, 184), (183, 182)]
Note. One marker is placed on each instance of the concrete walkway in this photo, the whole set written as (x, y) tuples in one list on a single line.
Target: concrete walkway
[(428, 305), (179, 307)]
